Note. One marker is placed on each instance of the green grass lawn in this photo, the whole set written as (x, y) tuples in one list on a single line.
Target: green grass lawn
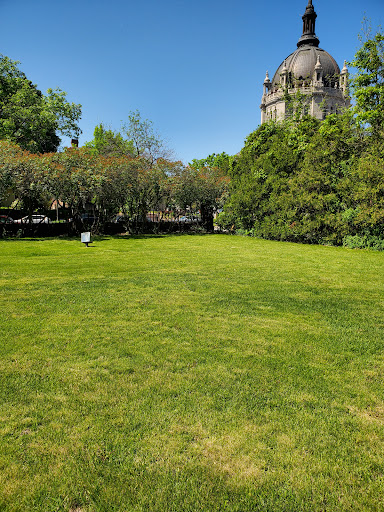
[(190, 373)]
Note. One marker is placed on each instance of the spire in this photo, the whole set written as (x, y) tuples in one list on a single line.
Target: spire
[(266, 84), (284, 75), (343, 82), (309, 20), (318, 63)]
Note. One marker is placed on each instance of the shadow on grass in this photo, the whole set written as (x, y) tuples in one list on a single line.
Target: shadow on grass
[(144, 236), (103, 238)]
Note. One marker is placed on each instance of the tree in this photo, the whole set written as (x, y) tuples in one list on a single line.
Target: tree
[(252, 173), (209, 179), (107, 142), (75, 177), (368, 83), (119, 188), (28, 117), (26, 177), (146, 141), (9, 153), (220, 161), (320, 190), (366, 197)]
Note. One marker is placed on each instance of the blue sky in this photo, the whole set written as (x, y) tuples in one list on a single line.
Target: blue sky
[(195, 68)]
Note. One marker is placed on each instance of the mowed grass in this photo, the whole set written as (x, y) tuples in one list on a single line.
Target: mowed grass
[(190, 373)]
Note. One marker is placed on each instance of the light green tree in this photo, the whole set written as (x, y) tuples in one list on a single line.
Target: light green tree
[(107, 142), (368, 83), (146, 141)]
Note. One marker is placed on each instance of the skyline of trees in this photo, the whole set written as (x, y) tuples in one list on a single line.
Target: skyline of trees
[(299, 179)]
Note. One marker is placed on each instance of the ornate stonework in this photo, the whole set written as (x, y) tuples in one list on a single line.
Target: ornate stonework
[(309, 79)]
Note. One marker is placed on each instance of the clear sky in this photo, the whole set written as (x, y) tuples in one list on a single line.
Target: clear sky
[(195, 68)]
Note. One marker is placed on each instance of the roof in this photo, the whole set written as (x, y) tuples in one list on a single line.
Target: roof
[(301, 63)]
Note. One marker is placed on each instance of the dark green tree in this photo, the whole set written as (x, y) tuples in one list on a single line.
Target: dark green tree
[(260, 176), (31, 119)]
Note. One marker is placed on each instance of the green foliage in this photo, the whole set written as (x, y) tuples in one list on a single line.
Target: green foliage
[(220, 161), (29, 118), (199, 190), (210, 179), (23, 175), (306, 181), (260, 178), (9, 153), (145, 140), (367, 194), (296, 105), (368, 83), (364, 242), (106, 142), (86, 181), (106, 185)]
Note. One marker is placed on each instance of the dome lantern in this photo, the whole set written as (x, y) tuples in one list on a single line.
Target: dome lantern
[(309, 21)]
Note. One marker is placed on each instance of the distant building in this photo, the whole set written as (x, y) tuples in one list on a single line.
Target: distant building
[(310, 74)]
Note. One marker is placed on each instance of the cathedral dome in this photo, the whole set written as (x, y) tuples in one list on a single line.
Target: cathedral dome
[(301, 64), (310, 71)]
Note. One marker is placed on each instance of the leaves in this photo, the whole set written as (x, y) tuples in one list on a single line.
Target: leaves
[(106, 142), (146, 141), (29, 118), (368, 83)]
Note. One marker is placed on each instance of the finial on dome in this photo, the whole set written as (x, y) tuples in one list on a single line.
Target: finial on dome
[(309, 21), (318, 63), (345, 69), (266, 79)]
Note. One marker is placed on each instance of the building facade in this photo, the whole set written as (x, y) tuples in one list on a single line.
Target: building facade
[(309, 79)]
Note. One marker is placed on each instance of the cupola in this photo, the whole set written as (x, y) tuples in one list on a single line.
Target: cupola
[(309, 21)]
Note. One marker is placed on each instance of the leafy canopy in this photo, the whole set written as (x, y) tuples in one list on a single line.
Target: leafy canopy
[(368, 83), (28, 117), (107, 142), (146, 141)]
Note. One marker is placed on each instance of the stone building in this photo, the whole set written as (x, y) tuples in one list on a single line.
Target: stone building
[(309, 79)]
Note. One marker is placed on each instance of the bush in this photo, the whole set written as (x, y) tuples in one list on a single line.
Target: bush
[(364, 242)]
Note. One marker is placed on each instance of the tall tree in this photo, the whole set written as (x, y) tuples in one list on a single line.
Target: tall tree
[(368, 83), (9, 154), (107, 142), (28, 117), (210, 184), (146, 141)]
